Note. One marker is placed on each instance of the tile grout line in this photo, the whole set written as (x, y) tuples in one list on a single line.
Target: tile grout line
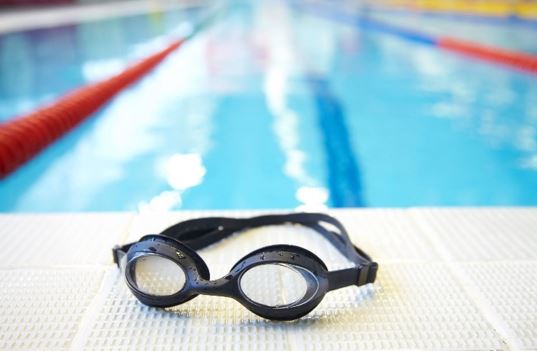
[(126, 232), (107, 284), (90, 315), (480, 301)]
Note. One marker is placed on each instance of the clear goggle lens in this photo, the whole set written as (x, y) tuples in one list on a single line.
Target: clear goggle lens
[(271, 285), (275, 285), (158, 276)]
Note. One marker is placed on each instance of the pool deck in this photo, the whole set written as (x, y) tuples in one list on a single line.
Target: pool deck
[(26, 18), (451, 279)]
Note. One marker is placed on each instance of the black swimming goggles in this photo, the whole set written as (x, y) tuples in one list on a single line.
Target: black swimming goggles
[(280, 282)]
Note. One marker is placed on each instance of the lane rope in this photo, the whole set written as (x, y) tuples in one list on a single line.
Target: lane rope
[(24, 137), (515, 59)]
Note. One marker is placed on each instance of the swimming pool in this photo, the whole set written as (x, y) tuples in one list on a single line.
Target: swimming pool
[(271, 107)]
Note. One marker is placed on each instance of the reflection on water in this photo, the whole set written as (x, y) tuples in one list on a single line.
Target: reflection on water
[(282, 65), (181, 171)]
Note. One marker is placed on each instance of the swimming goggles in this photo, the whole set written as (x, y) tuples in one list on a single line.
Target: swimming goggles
[(279, 282)]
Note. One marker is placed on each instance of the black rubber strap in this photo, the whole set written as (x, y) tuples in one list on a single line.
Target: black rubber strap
[(202, 232)]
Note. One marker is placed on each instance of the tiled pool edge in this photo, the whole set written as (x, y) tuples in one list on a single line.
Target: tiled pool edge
[(419, 216)]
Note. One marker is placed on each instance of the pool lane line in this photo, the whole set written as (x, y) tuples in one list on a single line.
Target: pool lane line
[(344, 175), (344, 179), (510, 58), (24, 137)]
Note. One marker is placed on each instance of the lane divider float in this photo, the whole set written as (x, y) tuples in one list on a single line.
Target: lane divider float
[(24, 137), (515, 59)]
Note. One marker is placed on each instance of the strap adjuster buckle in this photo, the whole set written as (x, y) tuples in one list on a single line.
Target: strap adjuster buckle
[(115, 251)]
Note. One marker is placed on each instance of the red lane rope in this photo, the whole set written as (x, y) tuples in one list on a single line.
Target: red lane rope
[(510, 58), (24, 137)]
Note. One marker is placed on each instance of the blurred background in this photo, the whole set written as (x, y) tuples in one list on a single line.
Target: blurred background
[(277, 104)]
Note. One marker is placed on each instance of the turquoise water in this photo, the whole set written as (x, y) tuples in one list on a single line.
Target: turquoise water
[(270, 107)]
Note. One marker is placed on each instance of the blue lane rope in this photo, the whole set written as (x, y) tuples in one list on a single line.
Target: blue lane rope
[(369, 24)]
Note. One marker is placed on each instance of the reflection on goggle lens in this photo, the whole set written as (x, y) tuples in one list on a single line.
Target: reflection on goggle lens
[(275, 285), (158, 276)]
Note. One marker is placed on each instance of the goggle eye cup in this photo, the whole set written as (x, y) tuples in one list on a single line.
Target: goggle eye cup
[(277, 285), (157, 275), (160, 271), (281, 282)]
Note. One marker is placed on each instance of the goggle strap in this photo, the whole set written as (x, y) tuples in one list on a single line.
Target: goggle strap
[(119, 251), (352, 276), (202, 232)]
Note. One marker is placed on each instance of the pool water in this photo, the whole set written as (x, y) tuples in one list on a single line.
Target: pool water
[(270, 107)]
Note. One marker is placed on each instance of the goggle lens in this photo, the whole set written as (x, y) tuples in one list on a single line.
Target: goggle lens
[(275, 284), (157, 276)]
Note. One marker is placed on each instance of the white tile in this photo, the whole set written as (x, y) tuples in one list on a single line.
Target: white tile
[(42, 309), (387, 234), (46, 240), (413, 306), (484, 234), (510, 289)]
